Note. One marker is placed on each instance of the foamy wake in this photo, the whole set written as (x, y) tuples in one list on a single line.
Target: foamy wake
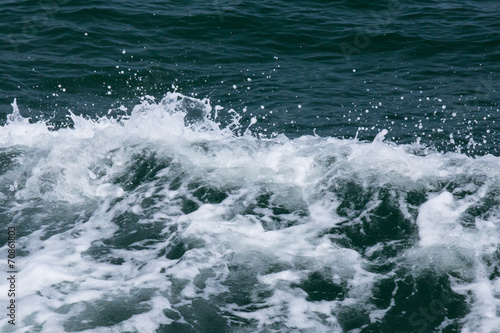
[(164, 221)]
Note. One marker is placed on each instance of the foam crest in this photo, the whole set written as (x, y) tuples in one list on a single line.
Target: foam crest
[(164, 220)]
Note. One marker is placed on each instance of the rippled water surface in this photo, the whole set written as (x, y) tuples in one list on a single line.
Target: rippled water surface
[(251, 166)]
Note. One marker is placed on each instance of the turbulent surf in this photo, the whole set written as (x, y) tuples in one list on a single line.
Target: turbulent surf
[(165, 220)]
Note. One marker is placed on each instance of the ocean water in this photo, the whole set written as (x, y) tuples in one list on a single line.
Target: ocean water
[(251, 166)]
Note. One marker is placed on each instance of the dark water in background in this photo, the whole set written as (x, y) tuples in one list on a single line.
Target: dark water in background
[(240, 202), (412, 57)]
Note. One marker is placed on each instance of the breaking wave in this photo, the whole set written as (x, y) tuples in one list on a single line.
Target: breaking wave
[(164, 220)]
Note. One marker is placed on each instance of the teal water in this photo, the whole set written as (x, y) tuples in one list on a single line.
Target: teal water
[(246, 166), (410, 57)]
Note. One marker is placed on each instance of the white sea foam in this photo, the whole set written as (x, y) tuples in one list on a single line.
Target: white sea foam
[(263, 230)]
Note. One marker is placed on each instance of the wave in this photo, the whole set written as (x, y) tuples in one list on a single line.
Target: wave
[(164, 220)]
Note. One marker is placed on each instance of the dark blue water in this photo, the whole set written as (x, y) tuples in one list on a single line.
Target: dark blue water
[(252, 166), (336, 59)]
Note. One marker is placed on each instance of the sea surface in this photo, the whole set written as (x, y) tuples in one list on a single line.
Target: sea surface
[(250, 166)]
